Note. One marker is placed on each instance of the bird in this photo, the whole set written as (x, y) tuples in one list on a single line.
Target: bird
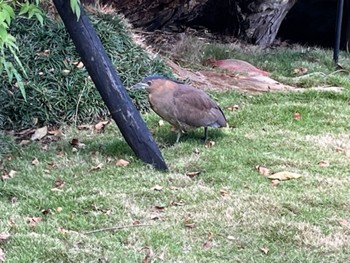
[(182, 105)]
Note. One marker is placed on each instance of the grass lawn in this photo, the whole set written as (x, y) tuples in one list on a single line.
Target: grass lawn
[(228, 212)]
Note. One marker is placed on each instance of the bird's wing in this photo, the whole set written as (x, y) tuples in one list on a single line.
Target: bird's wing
[(196, 108)]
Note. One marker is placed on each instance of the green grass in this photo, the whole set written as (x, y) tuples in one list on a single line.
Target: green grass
[(297, 221)]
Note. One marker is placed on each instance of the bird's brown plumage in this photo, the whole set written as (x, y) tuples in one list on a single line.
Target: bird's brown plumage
[(183, 106)]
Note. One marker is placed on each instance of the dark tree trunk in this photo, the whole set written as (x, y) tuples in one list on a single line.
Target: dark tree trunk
[(107, 82), (261, 19)]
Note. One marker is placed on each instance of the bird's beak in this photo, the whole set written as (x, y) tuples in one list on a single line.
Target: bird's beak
[(140, 85)]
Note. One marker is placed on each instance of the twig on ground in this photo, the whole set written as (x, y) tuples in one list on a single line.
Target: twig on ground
[(114, 228)]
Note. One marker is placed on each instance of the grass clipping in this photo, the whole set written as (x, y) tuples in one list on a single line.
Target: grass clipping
[(58, 87)]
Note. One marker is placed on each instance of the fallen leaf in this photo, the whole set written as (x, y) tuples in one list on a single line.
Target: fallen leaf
[(160, 123), (52, 164), (179, 203), (297, 116), (33, 221), (282, 176), (150, 254), (39, 133), (192, 174), (4, 237), (2, 255), (157, 188), (190, 225), (344, 222), (99, 127), (155, 217), (196, 151), (209, 144), (47, 211), (230, 237), (172, 187), (84, 127), (8, 175), (65, 72), (265, 250), (207, 244), (75, 142), (233, 107), (56, 133), (323, 163), (59, 209), (122, 163), (35, 161), (136, 222), (159, 208), (262, 170), (300, 70), (97, 167), (80, 65), (59, 183), (13, 200), (161, 256), (47, 171), (275, 183), (224, 192)]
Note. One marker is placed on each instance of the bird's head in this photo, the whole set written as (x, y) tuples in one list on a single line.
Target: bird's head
[(146, 82)]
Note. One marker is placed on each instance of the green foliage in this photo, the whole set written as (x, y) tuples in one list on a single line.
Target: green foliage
[(9, 60), (59, 91)]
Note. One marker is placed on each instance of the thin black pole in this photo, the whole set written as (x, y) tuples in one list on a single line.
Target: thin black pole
[(338, 24), (106, 79)]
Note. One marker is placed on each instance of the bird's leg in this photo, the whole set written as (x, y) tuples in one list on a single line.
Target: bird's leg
[(178, 135), (205, 134)]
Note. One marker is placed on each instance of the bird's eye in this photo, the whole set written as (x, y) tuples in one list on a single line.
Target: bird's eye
[(149, 83)]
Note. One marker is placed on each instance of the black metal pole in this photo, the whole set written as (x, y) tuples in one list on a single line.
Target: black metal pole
[(106, 79), (338, 24)]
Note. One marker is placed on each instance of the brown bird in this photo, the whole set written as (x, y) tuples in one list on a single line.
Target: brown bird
[(181, 105)]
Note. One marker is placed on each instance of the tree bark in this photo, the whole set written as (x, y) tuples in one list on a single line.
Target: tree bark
[(262, 19), (106, 80)]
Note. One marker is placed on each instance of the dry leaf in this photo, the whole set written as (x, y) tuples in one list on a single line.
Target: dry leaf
[(207, 244), (2, 255), (209, 144), (262, 170), (323, 163), (230, 237), (265, 250), (122, 163), (47, 171), (161, 256), (24, 142), (65, 72), (59, 183), (179, 203), (300, 70), (159, 208), (4, 237), (39, 133), (160, 123), (233, 107), (13, 200), (56, 133), (190, 225), (33, 221), (344, 222), (157, 188), (172, 187), (84, 127), (9, 175), (275, 183), (59, 209), (282, 176), (192, 174), (75, 142), (80, 65), (99, 127), (224, 192), (297, 116), (97, 167), (35, 161), (196, 151), (52, 164)]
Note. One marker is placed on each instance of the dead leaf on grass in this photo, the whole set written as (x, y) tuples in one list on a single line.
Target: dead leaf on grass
[(192, 174), (230, 237), (35, 161), (233, 107), (149, 255), (56, 133), (39, 133), (207, 244), (209, 144), (24, 142), (59, 183), (172, 187), (157, 188), (300, 70), (263, 170), (224, 192), (323, 163), (99, 127), (33, 221), (177, 203), (75, 142), (275, 183), (344, 222), (283, 176), (160, 123), (190, 225), (97, 167), (122, 163), (265, 250), (59, 209), (8, 175), (160, 208), (52, 164), (297, 116), (4, 237)]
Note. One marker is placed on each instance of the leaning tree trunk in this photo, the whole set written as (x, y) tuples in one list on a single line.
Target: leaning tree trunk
[(261, 19)]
